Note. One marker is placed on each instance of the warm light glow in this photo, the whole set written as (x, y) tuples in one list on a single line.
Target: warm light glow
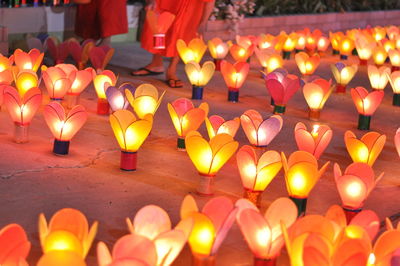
[(379, 55), (216, 125), (317, 93), (101, 82), (28, 61), (193, 51), (25, 80), (199, 75), (371, 259), (342, 73), (366, 102), (240, 53), (354, 189), (202, 236), (306, 64), (62, 240), (234, 75), (314, 131), (263, 236)]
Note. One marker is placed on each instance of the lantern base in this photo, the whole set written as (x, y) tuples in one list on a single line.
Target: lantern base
[(363, 62), (278, 109), (253, 196), (81, 65), (181, 144), (197, 92), (350, 213), (298, 50), (301, 204), (202, 260), (314, 114), (72, 100), (233, 96), (286, 55), (217, 63), (343, 57), (264, 262), (103, 107), (60, 147), (340, 88), (56, 99), (205, 184), (21, 133), (364, 122), (396, 99), (128, 161), (159, 41), (395, 68), (272, 102), (335, 52)]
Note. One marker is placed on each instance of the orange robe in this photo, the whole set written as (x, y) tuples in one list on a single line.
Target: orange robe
[(101, 19), (188, 14)]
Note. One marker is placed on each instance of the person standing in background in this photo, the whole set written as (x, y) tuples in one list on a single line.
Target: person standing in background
[(101, 19), (191, 18)]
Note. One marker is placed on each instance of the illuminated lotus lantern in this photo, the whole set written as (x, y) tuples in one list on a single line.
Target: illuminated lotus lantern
[(26, 80), (314, 141), (266, 41), (379, 55), (100, 56), (278, 74), (364, 48), (240, 53), (378, 33), (364, 150), (116, 96), (159, 23), (28, 61), (21, 110), (323, 44), (186, 118), (14, 244), (130, 133), (64, 126), (258, 131), (130, 249), (193, 51), (366, 104), (394, 56), (307, 64), (257, 173), (61, 258), (66, 234), (392, 32), (145, 100), (80, 53), (234, 77), (269, 59), (388, 45), (209, 157), (394, 79), (154, 223), (354, 186), (312, 39), (217, 125), (301, 42), (6, 75), (58, 50), (346, 47), (301, 175), (210, 228), (247, 41), (82, 79), (57, 82), (289, 45), (199, 76), (280, 41), (101, 82), (335, 38), (378, 77), (316, 94), (263, 233), (343, 74), (282, 91), (218, 50)]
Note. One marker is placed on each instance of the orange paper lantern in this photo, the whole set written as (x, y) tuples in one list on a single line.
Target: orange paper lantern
[(101, 82), (234, 77), (217, 125), (307, 64), (159, 23), (366, 104), (316, 94), (314, 141)]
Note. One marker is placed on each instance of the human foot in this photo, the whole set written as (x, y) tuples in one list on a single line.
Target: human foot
[(148, 70)]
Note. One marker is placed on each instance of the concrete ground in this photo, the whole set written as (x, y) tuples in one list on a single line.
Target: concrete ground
[(33, 180)]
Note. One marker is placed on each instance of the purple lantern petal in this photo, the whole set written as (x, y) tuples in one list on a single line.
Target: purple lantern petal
[(116, 98), (127, 86), (340, 66)]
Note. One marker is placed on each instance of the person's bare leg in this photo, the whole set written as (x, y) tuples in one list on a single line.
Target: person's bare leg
[(171, 76), (155, 65)]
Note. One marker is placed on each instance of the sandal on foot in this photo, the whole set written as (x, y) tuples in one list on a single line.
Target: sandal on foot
[(172, 83), (148, 72)]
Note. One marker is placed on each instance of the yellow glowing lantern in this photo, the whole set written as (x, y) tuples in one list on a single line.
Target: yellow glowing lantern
[(280, 40), (68, 230), (379, 55), (346, 47), (364, 150), (21, 110), (335, 38), (289, 45), (145, 100), (64, 126), (378, 77), (101, 82), (217, 125), (14, 245), (269, 59), (193, 51), (258, 131), (28, 61), (316, 94), (389, 45), (234, 77), (394, 56), (263, 233), (26, 80), (186, 118), (240, 53), (6, 74), (366, 105), (301, 175), (199, 76), (257, 173), (378, 33), (314, 141), (130, 133), (218, 50), (307, 64), (209, 157), (394, 79), (354, 186), (57, 82), (343, 74)]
